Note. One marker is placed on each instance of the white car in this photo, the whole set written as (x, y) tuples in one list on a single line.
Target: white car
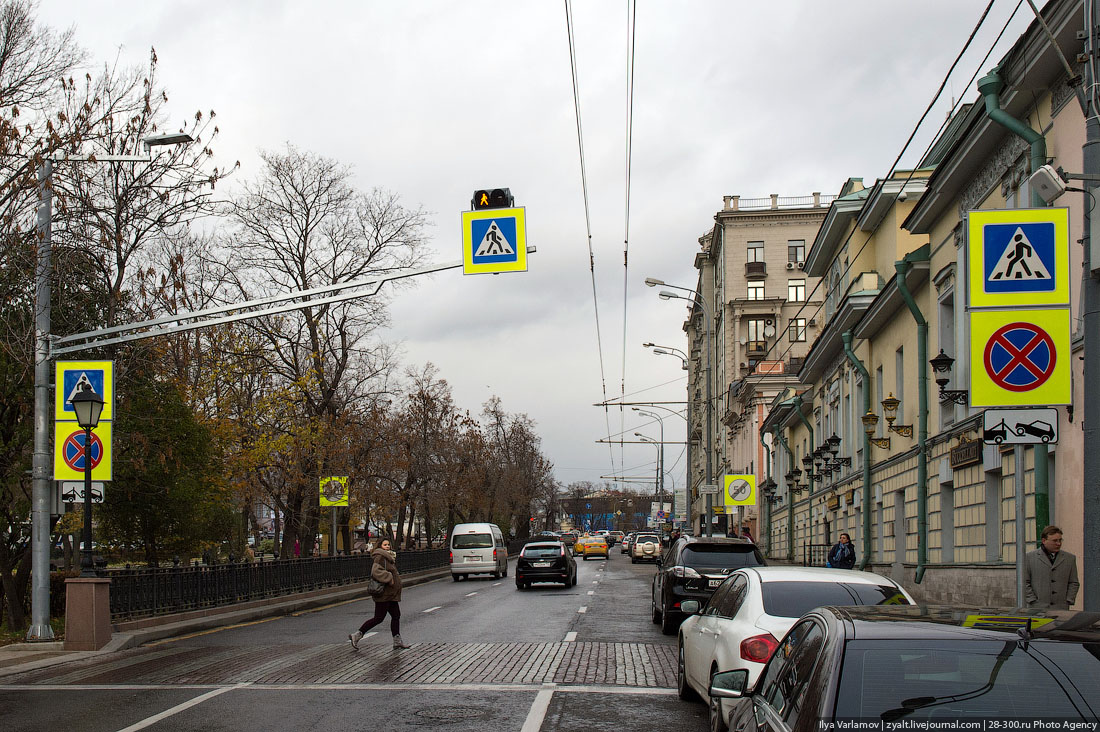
[(740, 626), (646, 548)]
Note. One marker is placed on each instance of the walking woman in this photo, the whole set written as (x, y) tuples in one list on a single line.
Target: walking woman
[(843, 554), (384, 570)]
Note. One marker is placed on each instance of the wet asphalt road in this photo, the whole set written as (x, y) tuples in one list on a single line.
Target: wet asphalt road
[(484, 655)]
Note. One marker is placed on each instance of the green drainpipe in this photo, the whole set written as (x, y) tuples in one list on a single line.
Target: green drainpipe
[(902, 268), (790, 498), (990, 87), (846, 336), (767, 505)]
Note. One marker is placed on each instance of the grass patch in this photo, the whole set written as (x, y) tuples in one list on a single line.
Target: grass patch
[(8, 636)]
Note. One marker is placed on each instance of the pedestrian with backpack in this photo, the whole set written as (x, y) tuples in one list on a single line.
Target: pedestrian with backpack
[(385, 588)]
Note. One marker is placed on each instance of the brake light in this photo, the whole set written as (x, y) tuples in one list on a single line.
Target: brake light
[(759, 648), (494, 554), (686, 572), (562, 550), (451, 557)]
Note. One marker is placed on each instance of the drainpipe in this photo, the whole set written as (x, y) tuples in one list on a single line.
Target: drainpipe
[(767, 504), (790, 497), (810, 490), (902, 268), (846, 336), (990, 87)]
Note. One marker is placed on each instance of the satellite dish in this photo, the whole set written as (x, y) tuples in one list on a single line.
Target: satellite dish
[(769, 331)]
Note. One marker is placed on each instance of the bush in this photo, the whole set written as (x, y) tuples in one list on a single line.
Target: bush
[(267, 546)]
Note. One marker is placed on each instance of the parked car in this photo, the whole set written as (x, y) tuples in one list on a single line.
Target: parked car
[(595, 546), (545, 561), (920, 665), (692, 569), (645, 548), (742, 622)]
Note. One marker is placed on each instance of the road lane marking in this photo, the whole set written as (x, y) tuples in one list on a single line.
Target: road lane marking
[(179, 708), (535, 717), (497, 584), (591, 592), (595, 582), (433, 609), (583, 609), (571, 636), (471, 594), (587, 689)]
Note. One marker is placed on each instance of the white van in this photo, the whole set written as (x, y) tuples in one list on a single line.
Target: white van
[(478, 549)]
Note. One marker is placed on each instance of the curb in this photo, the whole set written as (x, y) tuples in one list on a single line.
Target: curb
[(123, 640)]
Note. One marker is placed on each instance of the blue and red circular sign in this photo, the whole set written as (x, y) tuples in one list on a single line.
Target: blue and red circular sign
[(73, 450), (1020, 357)]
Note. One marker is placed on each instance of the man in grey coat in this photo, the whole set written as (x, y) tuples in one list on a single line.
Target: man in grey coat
[(1050, 574)]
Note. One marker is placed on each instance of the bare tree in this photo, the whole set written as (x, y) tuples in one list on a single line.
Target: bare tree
[(300, 225)]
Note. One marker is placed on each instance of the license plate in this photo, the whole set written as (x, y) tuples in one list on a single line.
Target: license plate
[(714, 583), (473, 559), (540, 564)]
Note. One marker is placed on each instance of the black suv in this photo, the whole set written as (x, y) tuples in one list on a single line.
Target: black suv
[(919, 666), (545, 561), (691, 569)]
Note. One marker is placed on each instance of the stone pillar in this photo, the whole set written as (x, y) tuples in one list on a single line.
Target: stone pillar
[(87, 613)]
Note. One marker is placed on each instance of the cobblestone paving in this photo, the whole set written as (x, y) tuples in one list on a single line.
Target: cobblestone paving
[(609, 664)]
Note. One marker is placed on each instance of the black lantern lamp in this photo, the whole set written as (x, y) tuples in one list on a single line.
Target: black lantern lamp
[(941, 365), (834, 444), (88, 407)]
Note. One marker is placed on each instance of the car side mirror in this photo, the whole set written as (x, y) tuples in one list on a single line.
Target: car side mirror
[(691, 607), (729, 684)]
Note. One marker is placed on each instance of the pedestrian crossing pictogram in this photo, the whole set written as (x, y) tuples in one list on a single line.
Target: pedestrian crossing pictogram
[(1020, 261), (494, 242)]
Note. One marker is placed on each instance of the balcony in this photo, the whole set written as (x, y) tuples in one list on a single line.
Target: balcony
[(756, 349), (755, 270)]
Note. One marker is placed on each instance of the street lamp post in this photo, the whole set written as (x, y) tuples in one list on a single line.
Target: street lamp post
[(88, 406), (696, 299), (661, 459), (40, 629), (670, 351), (658, 478)]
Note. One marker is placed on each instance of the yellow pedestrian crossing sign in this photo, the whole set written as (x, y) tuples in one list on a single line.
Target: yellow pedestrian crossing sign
[(334, 490), (1018, 257), (494, 240), (73, 376)]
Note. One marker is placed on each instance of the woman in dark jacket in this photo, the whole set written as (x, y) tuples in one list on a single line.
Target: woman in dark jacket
[(384, 570), (843, 554)]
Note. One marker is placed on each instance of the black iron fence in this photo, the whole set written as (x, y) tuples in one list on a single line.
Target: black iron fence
[(147, 591), (814, 555)]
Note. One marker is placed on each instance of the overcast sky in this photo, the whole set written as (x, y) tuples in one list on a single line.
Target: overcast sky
[(433, 100)]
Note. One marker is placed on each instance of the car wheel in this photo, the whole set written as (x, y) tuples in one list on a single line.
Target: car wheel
[(454, 577), (683, 688), (574, 580), (495, 575), (669, 624), (505, 572), (519, 585), (656, 613), (717, 722), (633, 560)]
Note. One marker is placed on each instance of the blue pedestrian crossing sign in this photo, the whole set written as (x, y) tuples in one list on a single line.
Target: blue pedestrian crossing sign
[(1019, 257), (494, 240)]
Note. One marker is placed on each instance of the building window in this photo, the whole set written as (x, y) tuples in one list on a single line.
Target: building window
[(755, 252), (796, 290), (796, 330), (756, 291), (755, 328), (796, 250)]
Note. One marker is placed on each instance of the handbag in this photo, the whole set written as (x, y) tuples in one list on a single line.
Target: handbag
[(374, 587)]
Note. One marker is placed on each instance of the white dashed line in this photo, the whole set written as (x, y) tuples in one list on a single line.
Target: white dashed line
[(596, 582), (433, 609), (471, 594), (570, 636), (591, 592), (497, 584), (583, 609)]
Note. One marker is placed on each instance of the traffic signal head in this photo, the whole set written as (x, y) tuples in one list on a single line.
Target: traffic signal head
[(492, 198)]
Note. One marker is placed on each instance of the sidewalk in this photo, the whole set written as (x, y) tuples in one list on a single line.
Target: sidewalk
[(19, 658)]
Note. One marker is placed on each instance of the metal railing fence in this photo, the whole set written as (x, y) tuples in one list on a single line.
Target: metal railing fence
[(814, 555)]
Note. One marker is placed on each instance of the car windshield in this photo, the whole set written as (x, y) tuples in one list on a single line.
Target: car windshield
[(906, 679), (795, 599), (473, 541), (720, 555), (542, 551)]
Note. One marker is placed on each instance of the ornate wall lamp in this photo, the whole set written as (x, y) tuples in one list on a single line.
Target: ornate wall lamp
[(870, 422), (941, 364), (890, 410)]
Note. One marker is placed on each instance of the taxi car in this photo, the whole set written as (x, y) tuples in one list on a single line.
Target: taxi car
[(595, 546), (918, 666)]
